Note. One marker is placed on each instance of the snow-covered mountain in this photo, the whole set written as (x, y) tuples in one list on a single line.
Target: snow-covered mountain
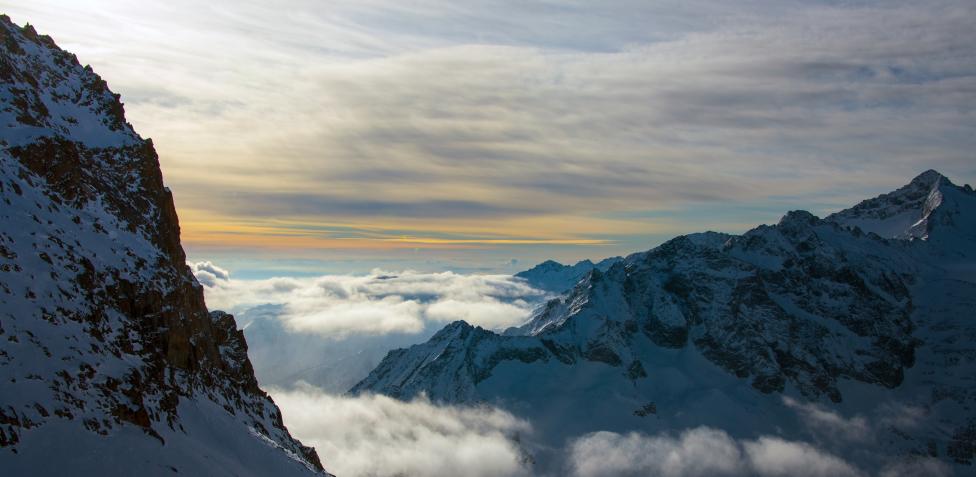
[(111, 363), (928, 202), (555, 277), (752, 334)]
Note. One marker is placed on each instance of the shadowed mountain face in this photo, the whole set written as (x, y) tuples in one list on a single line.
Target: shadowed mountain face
[(555, 277), (106, 344), (734, 331)]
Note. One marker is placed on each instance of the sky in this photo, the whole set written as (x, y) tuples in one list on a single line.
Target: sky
[(305, 137)]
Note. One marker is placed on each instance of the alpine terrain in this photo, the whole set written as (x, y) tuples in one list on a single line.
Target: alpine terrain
[(110, 362), (555, 277), (855, 332)]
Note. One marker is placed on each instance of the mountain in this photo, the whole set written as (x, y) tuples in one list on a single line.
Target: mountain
[(555, 277), (751, 333), (111, 363), (929, 202)]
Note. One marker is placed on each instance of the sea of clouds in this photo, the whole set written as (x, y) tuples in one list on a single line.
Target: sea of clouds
[(380, 302), (345, 323), (332, 330), (371, 435)]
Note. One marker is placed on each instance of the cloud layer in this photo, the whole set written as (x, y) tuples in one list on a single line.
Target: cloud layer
[(701, 452), (379, 436), (379, 303), (373, 125)]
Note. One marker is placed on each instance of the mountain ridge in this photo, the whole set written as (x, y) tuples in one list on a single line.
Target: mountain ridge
[(807, 308)]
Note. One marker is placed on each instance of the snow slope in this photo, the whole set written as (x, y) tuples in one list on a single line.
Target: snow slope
[(109, 358), (802, 329)]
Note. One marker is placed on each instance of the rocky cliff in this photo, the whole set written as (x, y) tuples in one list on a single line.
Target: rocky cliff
[(103, 329)]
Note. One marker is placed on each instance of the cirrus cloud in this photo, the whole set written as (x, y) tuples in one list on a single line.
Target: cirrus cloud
[(540, 122)]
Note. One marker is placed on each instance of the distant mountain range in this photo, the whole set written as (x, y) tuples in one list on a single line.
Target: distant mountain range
[(866, 315), (110, 362)]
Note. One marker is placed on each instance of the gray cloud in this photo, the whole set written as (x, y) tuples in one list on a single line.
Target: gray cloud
[(702, 452), (495, 109), (828, 423), (276, 205), (915, 466)]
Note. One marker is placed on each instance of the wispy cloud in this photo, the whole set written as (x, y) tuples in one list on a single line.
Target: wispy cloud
[(828, 423), (535, 121)]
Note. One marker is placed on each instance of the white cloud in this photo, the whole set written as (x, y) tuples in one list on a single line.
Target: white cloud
[(370, 316), (208, 274), (829, 423), (700, 452), (772, 456), (488, 313), (373, 435), (697, 452), (378, 303)]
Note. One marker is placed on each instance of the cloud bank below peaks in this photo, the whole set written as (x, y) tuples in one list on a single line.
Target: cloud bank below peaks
[(378, 303), (374, 435), (702, 452)]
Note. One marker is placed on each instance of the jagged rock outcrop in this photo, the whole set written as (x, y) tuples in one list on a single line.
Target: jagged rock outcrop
[(102, 326)]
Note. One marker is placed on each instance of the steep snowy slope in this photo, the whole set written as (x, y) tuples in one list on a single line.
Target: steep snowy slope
[(927, 203), (110, 363), (753, 334)]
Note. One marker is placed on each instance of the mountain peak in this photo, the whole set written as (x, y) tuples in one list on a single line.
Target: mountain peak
[(906, 212), (798, 217), (928, 178), (454, 326)]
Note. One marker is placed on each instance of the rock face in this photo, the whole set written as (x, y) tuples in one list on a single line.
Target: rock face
[(103, 328), (712, 329)]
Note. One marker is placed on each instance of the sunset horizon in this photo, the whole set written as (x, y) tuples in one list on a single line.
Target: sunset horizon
[(488, 238), (339, 136)]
